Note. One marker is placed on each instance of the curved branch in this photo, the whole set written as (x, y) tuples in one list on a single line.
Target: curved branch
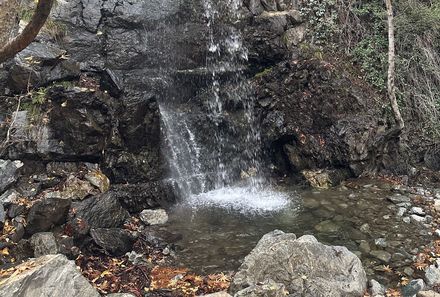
[(29, 33)]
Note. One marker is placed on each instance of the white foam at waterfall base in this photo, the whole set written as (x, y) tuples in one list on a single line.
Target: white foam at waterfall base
[(242, 199)]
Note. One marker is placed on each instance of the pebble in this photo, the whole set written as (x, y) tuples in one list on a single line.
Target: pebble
[(417, 219), (364, 247), (381, 242), (365, 228), (408, 271), (437, 232), (406, 220), (418, 211), (401, 211), (397, 198)]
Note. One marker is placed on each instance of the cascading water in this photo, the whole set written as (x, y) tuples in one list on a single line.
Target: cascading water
[(226, 170)]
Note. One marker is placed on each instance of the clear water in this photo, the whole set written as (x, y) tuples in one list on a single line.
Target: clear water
[(220, 228)]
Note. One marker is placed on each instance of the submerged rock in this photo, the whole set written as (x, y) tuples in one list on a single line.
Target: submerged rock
[(327, 227), (381, 255), (305, 266), (154, 216), (51, 275)]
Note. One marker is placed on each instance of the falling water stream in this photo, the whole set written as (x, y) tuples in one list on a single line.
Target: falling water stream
[(217, 179)]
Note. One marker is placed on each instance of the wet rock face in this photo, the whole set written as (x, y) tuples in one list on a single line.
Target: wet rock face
[(315, 116), (305, 266), (138, 197), (51, 275)]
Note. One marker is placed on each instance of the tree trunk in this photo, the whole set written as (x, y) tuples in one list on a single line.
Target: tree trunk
[(391, 68), (8, 20), (29, 33)]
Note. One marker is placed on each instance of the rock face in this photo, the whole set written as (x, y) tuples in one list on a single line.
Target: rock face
[(48, 276), (305, 266), (137, 197), (315, 116)]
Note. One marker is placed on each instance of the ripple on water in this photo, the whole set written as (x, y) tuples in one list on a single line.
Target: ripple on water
[(242, 199)]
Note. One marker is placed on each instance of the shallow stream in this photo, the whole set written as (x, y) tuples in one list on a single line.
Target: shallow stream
[(219, 229)]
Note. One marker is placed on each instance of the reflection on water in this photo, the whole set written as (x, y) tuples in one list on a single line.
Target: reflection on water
[(218, 234)]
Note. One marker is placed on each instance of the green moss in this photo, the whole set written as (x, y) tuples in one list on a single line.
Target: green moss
[(263, 73)]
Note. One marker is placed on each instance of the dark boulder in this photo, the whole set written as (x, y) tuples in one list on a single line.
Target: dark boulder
[(2, 216), (114, 241), (47, 213), (137, 197), (8, 173), (101, 211), (44, 243)]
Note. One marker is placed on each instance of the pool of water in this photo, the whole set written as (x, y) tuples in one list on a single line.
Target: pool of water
[(220, 228)]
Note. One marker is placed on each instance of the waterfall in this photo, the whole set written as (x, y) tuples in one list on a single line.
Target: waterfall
[(219, 162)]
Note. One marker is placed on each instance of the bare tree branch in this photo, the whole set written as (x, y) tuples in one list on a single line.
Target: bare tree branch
[(391, 68), (29, 33)]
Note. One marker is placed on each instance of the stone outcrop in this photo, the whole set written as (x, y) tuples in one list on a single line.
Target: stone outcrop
[(315, 116), (304, 266)]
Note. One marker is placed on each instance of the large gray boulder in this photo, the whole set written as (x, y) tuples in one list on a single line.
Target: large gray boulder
[(306, 267), (47, 276)]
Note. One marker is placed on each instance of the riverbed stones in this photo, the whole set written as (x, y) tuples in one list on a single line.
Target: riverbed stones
[(305, 266), (398, 198), (383, 256), (114, 241), (51, 275), (327, 226), (154, 216), (44, 243), (417, 211), (47, 213)]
